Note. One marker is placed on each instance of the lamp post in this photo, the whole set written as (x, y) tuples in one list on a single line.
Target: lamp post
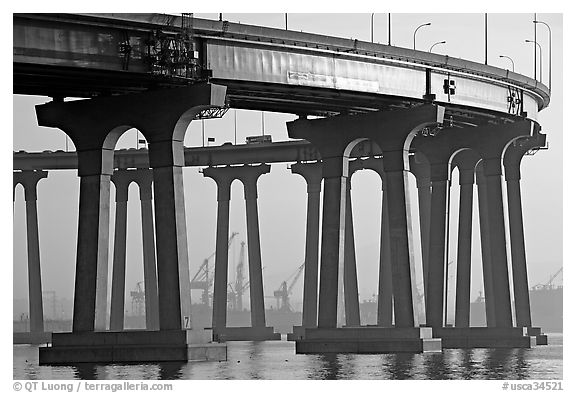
[(372, 27), (549, 53), (509, 58), (415, 31), (537, 44), (437, 43), (389, 29)]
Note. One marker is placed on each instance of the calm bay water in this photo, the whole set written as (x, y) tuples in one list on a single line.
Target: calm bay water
[(277, 360)]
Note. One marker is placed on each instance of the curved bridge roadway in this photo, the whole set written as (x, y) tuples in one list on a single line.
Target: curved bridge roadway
[(78, 55)]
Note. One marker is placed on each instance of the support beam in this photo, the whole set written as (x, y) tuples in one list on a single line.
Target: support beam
[(485, 247), (466, 161), (144, 179), (420, 168), (512, 160), (351, 301), (29, 180), (254, 255), (497, 237), (172, 247), (220, 292), (333, 237), (121, 180), (312, 173)]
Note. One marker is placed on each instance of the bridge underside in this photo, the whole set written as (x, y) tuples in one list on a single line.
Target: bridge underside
[(63, 81)]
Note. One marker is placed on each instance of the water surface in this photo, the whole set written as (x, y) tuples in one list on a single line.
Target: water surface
[(278, 360)]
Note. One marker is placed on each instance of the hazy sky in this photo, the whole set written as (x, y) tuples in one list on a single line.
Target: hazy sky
[(282, 196)]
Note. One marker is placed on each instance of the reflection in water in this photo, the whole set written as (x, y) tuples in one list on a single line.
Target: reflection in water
[(497, 363), (278, 360), (400, 365), (255, 357), (435, 366), (85, 371), (466, 364), (521, 369), (330, 366), (170, 370)]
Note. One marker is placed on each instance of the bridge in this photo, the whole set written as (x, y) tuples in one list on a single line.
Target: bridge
[(400, 110)]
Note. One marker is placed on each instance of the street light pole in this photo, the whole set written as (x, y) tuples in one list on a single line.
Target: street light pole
[(549, 53), (372, 27), (509, 58), (389, 30), (540, 48), (437, 43), (415, 31)]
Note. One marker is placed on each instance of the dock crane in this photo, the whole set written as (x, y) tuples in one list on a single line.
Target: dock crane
[(204, 276), (138, 299), (239, 287), (283, 293), (548, 284)]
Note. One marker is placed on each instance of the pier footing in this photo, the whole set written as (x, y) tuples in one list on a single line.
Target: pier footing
[(246, 334), (132, 347), (367, 340), (482, 337), (32, 337), (536, 336), (297, 333)]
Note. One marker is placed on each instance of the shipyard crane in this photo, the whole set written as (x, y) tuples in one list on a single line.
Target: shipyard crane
[(138, 298), (283, 293), (239, 287), (548, 284), (204, 277)]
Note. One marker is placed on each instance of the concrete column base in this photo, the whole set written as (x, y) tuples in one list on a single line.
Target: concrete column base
[(482, 337), (132, 347), (368, 340), (297, 333), (540, 339), (536, 336), (246, 334), (32, 337), (532, 331)]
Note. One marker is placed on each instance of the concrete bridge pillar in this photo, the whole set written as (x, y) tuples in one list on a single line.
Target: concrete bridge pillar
[(490, 143), (312, 173), (438, 150), (166, 160), (249, 178), (385, 299), (351, 301), (224, 176), (491, 148), (489, 300), (385, 284), (121, 180), (94, 126), (497, 238), (144, 181), (466, 161), (223, 180), (29, 180), (420, 168), (512, 159), (335, 137)]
